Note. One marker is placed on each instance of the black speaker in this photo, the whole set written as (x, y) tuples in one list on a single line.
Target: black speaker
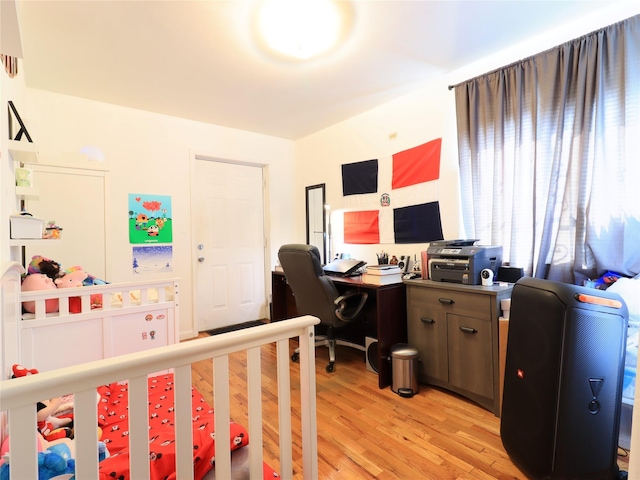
[(510, 274), (563, 380)]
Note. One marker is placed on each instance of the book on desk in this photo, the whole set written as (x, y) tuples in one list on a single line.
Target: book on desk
[(380, 270), (374, 279)]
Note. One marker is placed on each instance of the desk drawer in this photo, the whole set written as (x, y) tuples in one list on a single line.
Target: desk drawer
[(450, 301)]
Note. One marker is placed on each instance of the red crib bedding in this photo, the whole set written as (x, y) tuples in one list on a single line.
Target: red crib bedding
[(113, 419)]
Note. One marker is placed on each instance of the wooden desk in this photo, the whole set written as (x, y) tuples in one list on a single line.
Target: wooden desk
[(387, 314)]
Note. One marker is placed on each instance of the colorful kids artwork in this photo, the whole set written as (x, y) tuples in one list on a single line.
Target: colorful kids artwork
[(150, 219)]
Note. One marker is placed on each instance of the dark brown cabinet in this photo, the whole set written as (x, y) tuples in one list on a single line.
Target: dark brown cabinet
[(455, 329)]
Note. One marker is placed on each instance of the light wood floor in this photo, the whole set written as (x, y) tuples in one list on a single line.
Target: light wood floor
[(369, 433)]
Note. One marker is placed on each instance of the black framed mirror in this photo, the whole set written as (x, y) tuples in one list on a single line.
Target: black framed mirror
[(317, 219)]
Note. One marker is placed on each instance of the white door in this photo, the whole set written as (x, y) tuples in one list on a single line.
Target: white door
[(228, 216)]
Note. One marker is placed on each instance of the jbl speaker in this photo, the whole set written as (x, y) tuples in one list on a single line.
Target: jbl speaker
[(371, 353), (562, 389)]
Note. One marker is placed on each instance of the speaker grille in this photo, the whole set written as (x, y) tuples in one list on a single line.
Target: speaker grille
[(590, 393)]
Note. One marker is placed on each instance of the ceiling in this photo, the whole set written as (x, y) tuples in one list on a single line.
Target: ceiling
[(200, 60)]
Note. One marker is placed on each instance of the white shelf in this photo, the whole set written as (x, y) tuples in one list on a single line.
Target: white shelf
[(27, 242), (23, 152), (27, 192)]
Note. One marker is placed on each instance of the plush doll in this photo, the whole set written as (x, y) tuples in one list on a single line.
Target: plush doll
[(72, 280), (40, 264), (90, 280), (39, 281), (50, 465), (50, 426), (53, 463)]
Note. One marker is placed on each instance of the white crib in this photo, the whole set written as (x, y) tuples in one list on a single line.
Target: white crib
[(18, 396)]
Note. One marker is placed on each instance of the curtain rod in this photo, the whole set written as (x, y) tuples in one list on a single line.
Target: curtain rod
[(451, 87), (580, 38)]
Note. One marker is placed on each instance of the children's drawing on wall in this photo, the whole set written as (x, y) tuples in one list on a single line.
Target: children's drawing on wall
[(150, 219), (153, 259)]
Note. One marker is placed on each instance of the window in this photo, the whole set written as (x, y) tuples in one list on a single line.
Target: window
[(549, 158)]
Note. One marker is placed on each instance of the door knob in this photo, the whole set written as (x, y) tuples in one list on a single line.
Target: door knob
[(201, 259)]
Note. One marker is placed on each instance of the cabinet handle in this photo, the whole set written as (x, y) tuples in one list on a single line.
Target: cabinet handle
[(468, 330), (448, 301), (427, 320)]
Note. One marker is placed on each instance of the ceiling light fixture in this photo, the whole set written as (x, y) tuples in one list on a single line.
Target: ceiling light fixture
[(301, 28)]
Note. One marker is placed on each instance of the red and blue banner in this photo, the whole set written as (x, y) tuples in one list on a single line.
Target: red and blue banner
[(405, 206)]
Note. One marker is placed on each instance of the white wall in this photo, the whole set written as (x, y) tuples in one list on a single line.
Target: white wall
[(10, 89), (414, 119), (149, 153), (417, 119)]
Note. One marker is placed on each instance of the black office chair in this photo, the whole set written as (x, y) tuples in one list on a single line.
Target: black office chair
[(315, 294)]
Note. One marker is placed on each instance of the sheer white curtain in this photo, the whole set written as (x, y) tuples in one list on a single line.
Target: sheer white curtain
[(550, 157)]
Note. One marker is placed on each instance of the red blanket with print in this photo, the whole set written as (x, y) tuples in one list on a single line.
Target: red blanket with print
[(112, 418)]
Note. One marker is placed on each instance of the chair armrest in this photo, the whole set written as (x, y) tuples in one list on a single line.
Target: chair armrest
[(350, 305)]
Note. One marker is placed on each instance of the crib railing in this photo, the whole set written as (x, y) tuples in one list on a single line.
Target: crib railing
[(112, 296), (19, 396)]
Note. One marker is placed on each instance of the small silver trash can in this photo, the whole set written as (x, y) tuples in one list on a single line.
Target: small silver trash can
[(404, 374)]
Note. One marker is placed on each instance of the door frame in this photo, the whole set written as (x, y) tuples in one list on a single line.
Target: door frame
[(195, 157)]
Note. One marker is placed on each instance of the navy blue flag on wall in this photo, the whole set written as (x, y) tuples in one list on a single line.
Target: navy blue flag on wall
[(360, 177), (417, 223)]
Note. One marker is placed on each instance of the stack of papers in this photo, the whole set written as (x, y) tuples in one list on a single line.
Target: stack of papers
[(383, 270), (382, 279)]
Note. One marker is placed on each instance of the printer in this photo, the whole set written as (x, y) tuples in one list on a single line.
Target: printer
[(461, 261)]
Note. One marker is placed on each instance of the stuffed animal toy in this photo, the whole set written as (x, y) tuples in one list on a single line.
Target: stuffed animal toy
[(53, 463), (20, 371), (90, 280), (72, 280), (50, 465), (40, 264), (39, 281), (50, 426)]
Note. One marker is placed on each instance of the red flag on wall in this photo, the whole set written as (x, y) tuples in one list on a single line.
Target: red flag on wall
[(361, 227), (417, 165)]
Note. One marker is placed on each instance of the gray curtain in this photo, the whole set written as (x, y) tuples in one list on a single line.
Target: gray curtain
[(550, 157)]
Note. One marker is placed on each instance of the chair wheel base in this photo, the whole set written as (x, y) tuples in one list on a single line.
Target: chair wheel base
[(295, 357), (331, 367)]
